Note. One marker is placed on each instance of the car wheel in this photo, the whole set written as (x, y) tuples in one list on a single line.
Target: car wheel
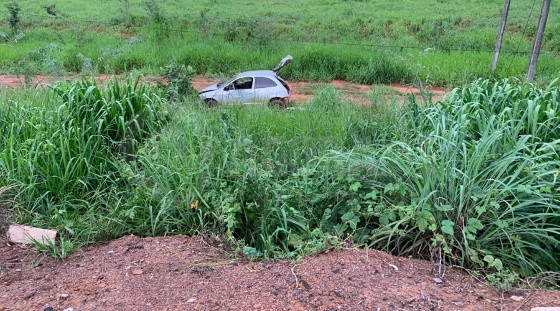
[(277, 103), (210, 102)]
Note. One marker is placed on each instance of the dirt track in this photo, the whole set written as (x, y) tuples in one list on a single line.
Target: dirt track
[(301, 92)]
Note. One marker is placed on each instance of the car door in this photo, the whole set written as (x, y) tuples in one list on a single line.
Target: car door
[(240, 91)]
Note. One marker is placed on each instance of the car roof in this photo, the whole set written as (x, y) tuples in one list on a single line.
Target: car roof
[(266, 73)]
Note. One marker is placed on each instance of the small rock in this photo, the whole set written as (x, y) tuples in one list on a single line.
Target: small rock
[(29, 295), (517, 298), (69, 309), (137, 272), (18, 270), (515, 292), (438, 280), (191, 300), (110, 252), (64, 296), (45, 288), (25, 235), (48, 309)]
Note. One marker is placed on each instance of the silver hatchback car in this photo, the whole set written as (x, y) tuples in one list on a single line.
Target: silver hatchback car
[(259, 86)]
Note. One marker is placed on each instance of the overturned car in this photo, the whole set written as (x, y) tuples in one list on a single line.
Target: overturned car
[(250, 87)]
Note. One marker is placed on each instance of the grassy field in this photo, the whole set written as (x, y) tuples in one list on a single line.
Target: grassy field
[(442, 43)]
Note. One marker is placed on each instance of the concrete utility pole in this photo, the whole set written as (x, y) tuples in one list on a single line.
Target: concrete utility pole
[(501, 29), (538, 41)]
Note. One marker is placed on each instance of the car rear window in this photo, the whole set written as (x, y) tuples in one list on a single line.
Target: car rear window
[(261, 83)]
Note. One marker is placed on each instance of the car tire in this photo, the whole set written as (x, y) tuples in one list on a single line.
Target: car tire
[(210, 102), (277, 103)]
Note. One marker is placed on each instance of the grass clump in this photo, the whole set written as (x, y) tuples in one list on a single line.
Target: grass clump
[(63, 151), (473, 181)]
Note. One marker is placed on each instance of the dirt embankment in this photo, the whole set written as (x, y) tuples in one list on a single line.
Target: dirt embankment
[(192, 273)]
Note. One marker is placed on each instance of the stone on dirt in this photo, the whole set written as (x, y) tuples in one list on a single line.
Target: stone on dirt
[(26, 234)]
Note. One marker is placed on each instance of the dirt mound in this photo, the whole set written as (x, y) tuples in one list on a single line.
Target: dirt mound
[(191, 273)]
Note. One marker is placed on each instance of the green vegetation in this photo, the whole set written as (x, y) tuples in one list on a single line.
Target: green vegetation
[(442, 43), (471, 180)]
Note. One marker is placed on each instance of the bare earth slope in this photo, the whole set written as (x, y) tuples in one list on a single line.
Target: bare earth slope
[(188, 273)]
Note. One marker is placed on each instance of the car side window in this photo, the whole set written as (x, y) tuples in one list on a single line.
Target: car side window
[(262, 82), (243, 83)]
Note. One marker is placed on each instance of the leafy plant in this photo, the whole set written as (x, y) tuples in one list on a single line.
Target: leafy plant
[(179, 81), (14, 19), (51, 9), (158, 22), (61, 251)]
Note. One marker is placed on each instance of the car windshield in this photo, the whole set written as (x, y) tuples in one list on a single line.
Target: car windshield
[(220, 84)]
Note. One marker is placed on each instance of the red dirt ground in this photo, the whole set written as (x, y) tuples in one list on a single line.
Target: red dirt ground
[(193, 273), (301, 91)]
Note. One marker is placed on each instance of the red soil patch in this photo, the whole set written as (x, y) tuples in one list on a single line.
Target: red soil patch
[(192, 273)]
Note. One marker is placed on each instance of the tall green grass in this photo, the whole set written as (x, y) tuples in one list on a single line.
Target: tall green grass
[(474, 180), (62, 151)]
